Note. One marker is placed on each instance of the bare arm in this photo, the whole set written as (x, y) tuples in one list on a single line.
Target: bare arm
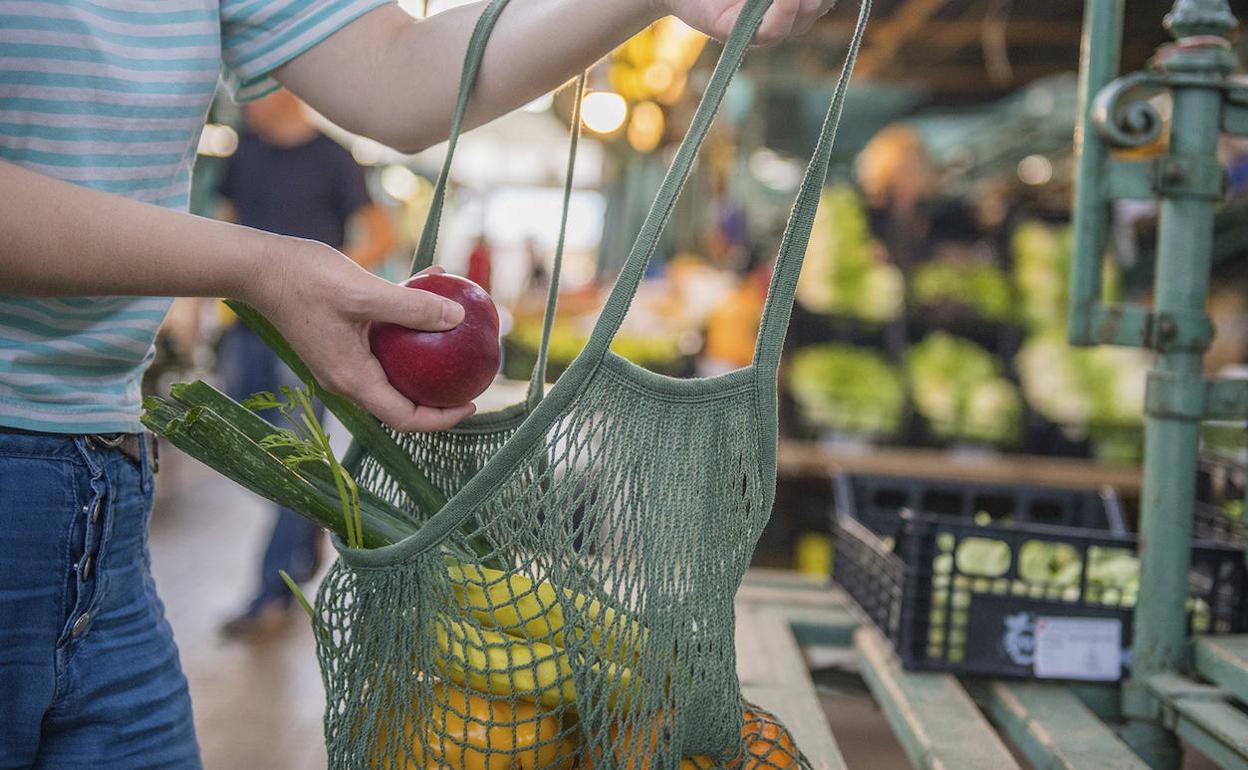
[(395, 79), (58, 238)]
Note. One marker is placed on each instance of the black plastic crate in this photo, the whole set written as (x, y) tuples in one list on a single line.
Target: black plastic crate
[(960, 591)]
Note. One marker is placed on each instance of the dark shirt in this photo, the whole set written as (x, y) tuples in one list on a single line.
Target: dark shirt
[(911, 240), (307, 191)]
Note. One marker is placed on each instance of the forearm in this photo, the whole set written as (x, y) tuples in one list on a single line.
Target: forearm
[(61, 239), (396, 79), (58, 238)]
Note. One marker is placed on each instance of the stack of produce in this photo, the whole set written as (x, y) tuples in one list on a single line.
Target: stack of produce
[(658, 352), (957, 386), (977, 287), (1042, 272), (1096, 392), (848, 389), (843, 273), (1083, 388)]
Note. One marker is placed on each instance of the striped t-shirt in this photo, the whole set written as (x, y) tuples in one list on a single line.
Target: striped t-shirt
[(112, 94)]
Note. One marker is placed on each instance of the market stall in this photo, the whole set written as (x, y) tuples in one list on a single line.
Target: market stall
[(989, 517)]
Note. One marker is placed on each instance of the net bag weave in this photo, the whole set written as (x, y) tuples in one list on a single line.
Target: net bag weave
[(572, 603)]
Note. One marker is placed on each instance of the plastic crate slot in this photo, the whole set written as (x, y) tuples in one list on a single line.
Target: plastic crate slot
[(983, 557)]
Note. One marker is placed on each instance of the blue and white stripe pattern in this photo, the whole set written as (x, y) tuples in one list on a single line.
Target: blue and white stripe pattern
[(112, 95)]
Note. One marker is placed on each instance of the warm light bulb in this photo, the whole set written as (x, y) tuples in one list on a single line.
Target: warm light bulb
[(603, 112), (400, 182), (1035, 170), (645, 129)]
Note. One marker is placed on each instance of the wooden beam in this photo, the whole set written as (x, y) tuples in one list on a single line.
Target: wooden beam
[(1223, 660), (889, 35), (1052, 727), (1205, 717), (952, 33), (958, 78), (936, 722), (813, 460)]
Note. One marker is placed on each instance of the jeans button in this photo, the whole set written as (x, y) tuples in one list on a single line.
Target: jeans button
[(80, 624), (86, 567), (98, 510)]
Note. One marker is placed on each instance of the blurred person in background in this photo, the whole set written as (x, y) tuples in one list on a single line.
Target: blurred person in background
[(103, 109), (538, 281), (907, 212), (481, 262), (288, 178)]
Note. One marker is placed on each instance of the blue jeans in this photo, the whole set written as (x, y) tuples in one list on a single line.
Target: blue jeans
[(89, 674), (248, 366)]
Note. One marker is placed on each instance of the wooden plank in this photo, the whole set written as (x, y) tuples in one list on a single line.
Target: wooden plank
[(820, 626), (887, 37), (1203, 716), (815, 611), (1053, 728), (811, 459), (1223, 660), (938, 724), (954, 33), (804, 594), (1217, 729), (773, 674)]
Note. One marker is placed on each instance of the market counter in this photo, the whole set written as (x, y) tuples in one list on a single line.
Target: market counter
[(812, 459)]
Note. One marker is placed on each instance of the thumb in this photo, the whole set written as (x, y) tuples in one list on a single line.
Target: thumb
[(414, 308)]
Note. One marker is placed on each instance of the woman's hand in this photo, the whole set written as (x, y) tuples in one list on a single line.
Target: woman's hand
[(322, 302), (785, 18)]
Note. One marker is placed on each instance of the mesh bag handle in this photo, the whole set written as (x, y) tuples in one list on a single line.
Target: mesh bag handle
[(423, 257), (538, 378), (425, 249), (792, 250)]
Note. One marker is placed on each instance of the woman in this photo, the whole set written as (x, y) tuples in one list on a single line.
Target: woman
[(101, 102)]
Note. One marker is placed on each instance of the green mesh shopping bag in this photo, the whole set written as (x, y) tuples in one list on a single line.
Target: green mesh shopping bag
[(571, 605)]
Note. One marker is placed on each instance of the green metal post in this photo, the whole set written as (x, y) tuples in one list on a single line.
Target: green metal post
[(1099, 52), (1184, 248)]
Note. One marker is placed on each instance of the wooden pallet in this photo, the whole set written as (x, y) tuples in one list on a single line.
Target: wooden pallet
[(944, 723)]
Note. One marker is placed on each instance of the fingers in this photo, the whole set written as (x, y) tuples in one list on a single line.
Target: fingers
[(428, 418), (372, 391), (779, 21), (811, 12), (413, 308)]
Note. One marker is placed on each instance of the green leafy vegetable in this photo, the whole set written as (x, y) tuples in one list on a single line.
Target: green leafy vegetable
[(843, 273), (847, 388), (979, 286), (958, 387)]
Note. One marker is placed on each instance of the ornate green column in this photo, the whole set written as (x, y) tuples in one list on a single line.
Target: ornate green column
[(1188, 182)]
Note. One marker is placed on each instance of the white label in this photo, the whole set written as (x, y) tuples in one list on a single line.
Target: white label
[(1079, 648)]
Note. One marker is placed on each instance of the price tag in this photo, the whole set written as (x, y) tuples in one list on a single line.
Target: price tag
[(1078, 648)]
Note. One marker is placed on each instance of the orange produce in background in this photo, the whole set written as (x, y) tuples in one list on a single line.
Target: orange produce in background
[(768, 746)]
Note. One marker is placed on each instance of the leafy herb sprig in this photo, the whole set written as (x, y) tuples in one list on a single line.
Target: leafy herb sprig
[(307, 442)]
